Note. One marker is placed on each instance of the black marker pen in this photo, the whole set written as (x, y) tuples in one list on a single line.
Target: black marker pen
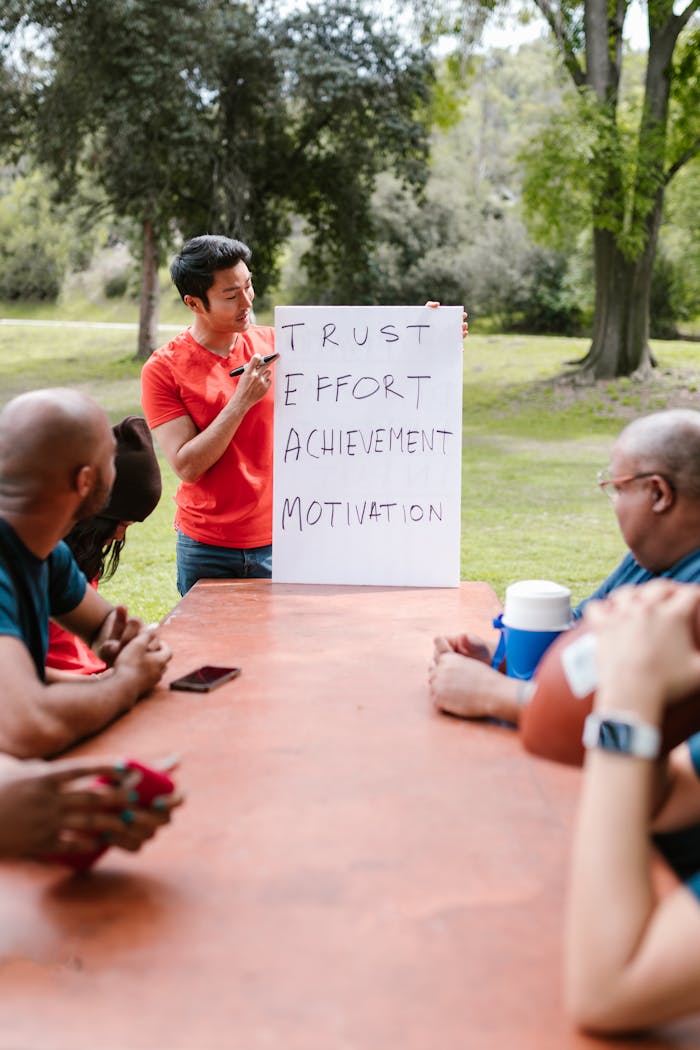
[(265, 361)]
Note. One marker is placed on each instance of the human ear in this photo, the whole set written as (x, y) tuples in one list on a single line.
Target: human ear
[(84, 480), (662, 493)]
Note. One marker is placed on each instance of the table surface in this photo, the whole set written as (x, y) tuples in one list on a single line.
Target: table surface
[(351, 871)]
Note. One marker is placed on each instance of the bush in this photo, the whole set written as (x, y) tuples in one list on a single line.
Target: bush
[(548, 304), (666, 304), (117, 285), (35, 244)]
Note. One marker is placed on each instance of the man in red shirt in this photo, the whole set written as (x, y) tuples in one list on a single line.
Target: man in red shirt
[(216, 430)]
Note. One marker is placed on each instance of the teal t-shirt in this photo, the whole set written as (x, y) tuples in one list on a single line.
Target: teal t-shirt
[(33, 589), (629, 571)]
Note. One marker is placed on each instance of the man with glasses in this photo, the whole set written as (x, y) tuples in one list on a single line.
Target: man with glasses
[(654, 484)]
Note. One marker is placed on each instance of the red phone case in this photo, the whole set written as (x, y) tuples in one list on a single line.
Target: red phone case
[(152, 784)]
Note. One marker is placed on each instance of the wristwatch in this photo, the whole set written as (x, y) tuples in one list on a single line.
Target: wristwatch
[(622, 732)]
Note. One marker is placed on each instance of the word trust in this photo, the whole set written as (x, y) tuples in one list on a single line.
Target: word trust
[(327, 335)]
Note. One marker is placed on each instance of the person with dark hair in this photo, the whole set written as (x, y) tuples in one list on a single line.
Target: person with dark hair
[(56, 468), (215, 430), (97, 542), (193, 270)]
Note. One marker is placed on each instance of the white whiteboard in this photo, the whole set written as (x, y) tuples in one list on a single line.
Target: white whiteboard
[(368, 445)]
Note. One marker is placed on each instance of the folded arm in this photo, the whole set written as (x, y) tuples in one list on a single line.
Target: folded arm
[(191, 452)]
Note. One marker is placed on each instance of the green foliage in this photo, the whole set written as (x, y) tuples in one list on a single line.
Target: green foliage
[(556, 195), (120, 104), (606, 160), (218, 115), (548, 302), (663, 316), (532, 445), (463, 239), (572, 166), (445, 104), (680, 240), (684, 127), (37, 242), (117, 285), (356, 88)]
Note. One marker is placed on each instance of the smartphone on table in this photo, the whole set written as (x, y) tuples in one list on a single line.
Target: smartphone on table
[(205, 678)]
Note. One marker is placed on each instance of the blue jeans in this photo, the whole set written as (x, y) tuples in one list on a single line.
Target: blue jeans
[(203, 561)]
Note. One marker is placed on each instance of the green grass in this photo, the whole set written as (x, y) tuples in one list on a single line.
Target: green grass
[(533, 441)]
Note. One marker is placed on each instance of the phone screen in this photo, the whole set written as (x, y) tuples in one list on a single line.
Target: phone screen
[(205, 678)]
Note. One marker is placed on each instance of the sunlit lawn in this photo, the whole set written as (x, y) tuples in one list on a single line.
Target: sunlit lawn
[(532, 446)]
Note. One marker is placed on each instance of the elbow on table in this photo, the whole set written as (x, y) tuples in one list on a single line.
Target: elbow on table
[(601, 1012)]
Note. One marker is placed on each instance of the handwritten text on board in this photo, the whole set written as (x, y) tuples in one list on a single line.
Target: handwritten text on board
[(368, 418)]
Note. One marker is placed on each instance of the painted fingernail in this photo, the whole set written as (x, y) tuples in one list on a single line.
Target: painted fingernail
[(127, 816), (133, 796), (120, 767), (159, 803)]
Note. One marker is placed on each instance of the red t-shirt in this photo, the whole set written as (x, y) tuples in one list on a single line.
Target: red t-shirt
[(67, 652), (231, 503)]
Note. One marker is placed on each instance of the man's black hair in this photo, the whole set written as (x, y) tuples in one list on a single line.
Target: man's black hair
[(193, 269)]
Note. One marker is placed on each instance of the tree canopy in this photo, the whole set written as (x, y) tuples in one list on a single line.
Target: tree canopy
[(217, 115), (608, 159)]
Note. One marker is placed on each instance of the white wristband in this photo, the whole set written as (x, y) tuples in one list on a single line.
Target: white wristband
[(622, 732)]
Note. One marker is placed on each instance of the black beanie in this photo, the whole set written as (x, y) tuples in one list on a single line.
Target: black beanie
[(137, 485)]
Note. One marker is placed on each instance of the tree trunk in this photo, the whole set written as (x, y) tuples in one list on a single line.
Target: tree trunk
[(625, 226), (148, 318), (620, 342), (622, 292)]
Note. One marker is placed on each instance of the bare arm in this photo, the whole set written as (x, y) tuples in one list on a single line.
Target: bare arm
[(631, 961), (680, 804), (38, 719), (191, 452)]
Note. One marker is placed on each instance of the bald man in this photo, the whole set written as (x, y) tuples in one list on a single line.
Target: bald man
[(654, 483), (57, 467)]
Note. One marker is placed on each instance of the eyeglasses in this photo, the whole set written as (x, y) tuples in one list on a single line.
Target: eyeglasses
[(611, 486)]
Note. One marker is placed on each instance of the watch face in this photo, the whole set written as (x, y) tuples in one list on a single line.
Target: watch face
[(615, 736)]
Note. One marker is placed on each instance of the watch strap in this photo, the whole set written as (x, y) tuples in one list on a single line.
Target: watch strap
[(622, 732)]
